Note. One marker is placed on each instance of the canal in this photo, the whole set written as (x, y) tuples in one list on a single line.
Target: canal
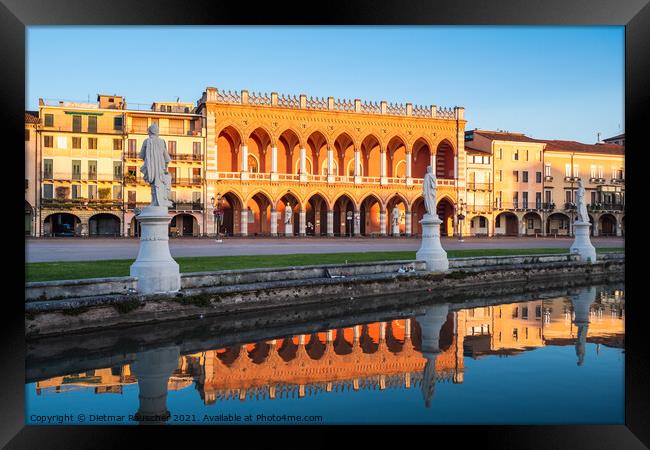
[(555, 357)]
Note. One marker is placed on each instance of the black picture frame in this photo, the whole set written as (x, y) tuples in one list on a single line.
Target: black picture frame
[(15, 15)]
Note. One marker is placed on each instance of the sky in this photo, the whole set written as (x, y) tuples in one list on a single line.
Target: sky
[(546, 82)]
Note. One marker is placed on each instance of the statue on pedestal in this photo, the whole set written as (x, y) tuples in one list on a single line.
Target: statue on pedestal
[(154, 170), (581, 205), (429, 191), (396, 215), (287, 214)]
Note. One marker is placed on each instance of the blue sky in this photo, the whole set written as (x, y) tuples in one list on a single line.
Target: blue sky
[(547, 82)]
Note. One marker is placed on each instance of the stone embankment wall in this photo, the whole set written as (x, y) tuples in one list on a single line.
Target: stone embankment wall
[(229, 292)]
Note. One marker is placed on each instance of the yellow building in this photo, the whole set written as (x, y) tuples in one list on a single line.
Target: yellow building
[(32, 177)]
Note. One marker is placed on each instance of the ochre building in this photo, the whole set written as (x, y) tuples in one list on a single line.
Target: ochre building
[(275, 165)]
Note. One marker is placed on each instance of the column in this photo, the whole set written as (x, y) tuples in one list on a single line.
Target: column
[(330, 165), (303, 164), (432, 161), (330, 222), (382, 222), (408, 217), (407, 329), (382, 166), (409, 181), (274, 222), (357, 159), (243, 224), (619, 231), (356, 222), (595, 225), (244, 162), (303, 221), (274, 163)]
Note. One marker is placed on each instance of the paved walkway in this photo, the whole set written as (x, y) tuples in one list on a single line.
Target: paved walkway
[(88, 249)]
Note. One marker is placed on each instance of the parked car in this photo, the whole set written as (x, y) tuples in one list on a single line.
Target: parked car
[(66, 229)]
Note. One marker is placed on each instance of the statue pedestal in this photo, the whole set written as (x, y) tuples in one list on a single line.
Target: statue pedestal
[(395, 230), (431, 250), (288, 230), (582, 244), (153, 369), (154, 267)]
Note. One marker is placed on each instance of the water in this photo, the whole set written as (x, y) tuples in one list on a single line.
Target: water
[(557, 360)]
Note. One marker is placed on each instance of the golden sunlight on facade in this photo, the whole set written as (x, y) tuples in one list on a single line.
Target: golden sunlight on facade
[(275, 165)]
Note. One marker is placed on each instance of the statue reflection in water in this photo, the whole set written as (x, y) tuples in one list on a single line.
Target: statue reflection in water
[(581, 304), (430, 325), (153, 369)]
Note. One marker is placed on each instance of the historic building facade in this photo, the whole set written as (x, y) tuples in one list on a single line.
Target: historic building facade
[(275, 165)]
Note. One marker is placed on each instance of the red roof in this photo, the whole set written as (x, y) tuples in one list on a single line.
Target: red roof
[(504, 136), (579, 147), (31, 117), (478, 150)]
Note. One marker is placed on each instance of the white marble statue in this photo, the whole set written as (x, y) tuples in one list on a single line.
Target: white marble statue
[(156, 159), (581, 205), (429, 191), (396, 215), (287, 214)]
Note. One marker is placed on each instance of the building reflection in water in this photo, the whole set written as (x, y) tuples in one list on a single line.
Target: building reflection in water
[(402, 353)]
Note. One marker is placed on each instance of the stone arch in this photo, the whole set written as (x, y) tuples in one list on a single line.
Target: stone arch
[(104, 224), (259, 205), (259, 144), (532, 224), (316, 147), (296, 204), (445, 210), (62, 224), (607, 225), (422, 155), (344, 147), (288, 144), (370, 208), (316, 208), (479, 225), (231, 205), (418, 210), (343, 204), (506, 224), (184, 224), (444, 158), (370, 160), (558, 224), (309, 166), (399, 201), (395, 154), (229, 140)]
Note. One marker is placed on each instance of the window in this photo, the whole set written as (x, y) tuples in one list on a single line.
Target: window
[(76, 142), (515, 174), (118, 123), (92, 143), (526, 155), (547, 197), (26, 134), (547, 170), (196, 150), (538, 200), (593, 171), (61, 142), (515, 200), (618, 174), (92, 124), (48, 190), (171, 147), (47, 169), (92, 191), (470, 159), (49, 121), (524, 312), (76, 191), (524, 199), (600, 171), (568, 196), (515, 155), (196, 175), (132, 148), (117, 144), (567, 170), (538, 312), (76, 169), (576, 170), (539, 155), (500, 175), (92, 170), (482, 222), (538, 177), (593, 197), (500, 154), (117, 170), (525, 176), (117, 192), (76, 124), (497, 222), (175, 126)]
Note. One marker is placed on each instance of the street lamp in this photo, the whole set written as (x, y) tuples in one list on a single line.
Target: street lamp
[(217, 213), (460, 218)]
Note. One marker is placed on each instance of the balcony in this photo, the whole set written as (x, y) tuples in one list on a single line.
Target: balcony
[(478, 209), (479, 186), (67, 176), (595, 180), (548, 177), (186, 157), (132, 155), (185, 181), (166, 131), (618, 180), (605, 207), (71, 203), (571, 179), (82, 130), (187, 206)]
